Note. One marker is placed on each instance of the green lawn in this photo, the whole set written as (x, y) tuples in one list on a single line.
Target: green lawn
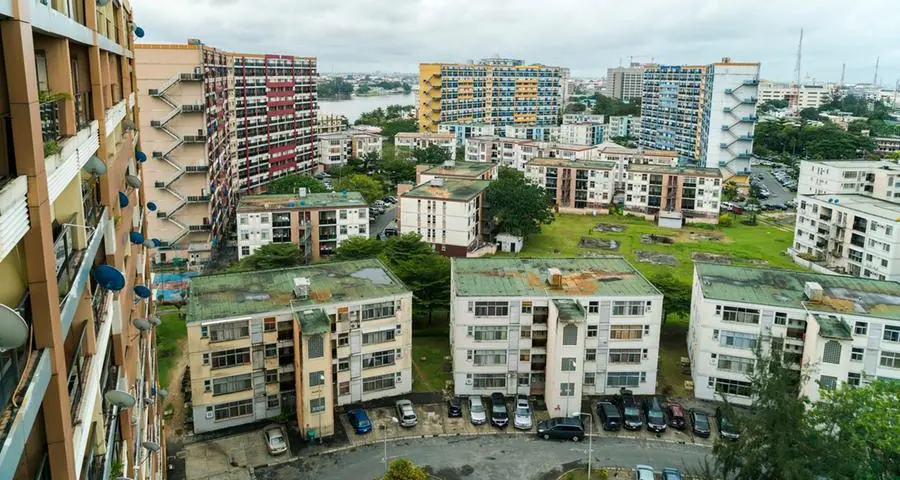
[(429, 375), (672, 346), (168, 333)]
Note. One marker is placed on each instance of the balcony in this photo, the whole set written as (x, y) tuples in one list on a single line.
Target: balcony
[(71, 154), (75, 267), (13, 213), (77, 370), (114, 117)]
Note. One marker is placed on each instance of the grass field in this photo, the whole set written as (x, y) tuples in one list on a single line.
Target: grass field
[(672, 346), (429, 374), (168, 333)]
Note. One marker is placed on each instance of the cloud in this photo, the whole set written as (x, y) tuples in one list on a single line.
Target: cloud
[(585, 35)]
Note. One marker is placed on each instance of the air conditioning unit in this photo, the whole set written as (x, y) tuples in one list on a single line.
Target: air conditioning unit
[(468, 379), (399, 354), (209, 415)]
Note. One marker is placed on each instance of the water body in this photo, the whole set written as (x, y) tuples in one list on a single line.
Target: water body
[(353, 107)]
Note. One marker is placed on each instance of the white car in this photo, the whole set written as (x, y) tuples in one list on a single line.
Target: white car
[(477, 414), (275, 441), (406, 413), (523, 413), (643, 472)]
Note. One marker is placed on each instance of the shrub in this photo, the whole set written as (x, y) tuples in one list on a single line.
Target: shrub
[(726, 220)]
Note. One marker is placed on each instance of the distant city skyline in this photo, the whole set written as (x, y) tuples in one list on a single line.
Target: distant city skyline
[(586, 36)]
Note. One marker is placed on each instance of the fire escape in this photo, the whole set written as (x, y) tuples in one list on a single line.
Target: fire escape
[(736, 118)]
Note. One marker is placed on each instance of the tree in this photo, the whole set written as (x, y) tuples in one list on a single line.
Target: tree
[(391, 128), (432, 155), (771, 105), (729, 192), (577, 107), (292, 183), (894, 155), (811, 114), (273, 255), (358, 248), (676, 294), (604, 105), (363, 89), (369, 161), (370, 188), (334, 87), (510, 173), (518, 207), (403, 469)]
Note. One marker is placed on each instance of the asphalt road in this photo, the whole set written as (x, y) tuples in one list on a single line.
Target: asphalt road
[(778, 194), (490, 457), (382, 221)]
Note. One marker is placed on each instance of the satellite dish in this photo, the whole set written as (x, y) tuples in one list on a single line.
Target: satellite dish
[(128, 125), (151, 446), (163, 393), (155, 321), (133, 181), (136, 238), (119, 398), (123, 200), (151, 206), (139, 32), (95, 166), (142, 291), (156, 242), (13, 329), (109, 277), (149, 244), (139, 155), (102, 3), (141, 324)]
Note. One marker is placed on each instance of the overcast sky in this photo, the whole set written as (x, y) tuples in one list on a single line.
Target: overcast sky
[(585, 35)]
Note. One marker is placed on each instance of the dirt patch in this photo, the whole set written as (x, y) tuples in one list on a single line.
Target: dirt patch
[(700, 236), (609, 228), (650, 238), (657, 258), (173, 406), (711, 258), (601, 243)]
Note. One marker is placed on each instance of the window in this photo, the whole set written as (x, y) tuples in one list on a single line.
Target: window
[(589, 378), (891, 333), (570, 335), (626, 332), (491, 309), (343, 364), (488, 380), (590, 355), (890, 359), (245, 250), (740, 315), (737, 339), (344, 388), (726, 386), (342, 214), (379, 382), (272, 402), (827, 382), (854, 379), (269, 323), (226, 385), (230, 358), (317, 405), (625, 355), (489, 357), (378, 359), (484, 333), (567, 389), (380, 336), (526, 331), (264, 218), (317, 379), (271, 376), (315, 346), (731, 363), (271, 350), (222, 332), (374, 311), (593, 307), (780, 318), (628, 308), (206, 358), (568, 364), (526, 308), (832, 352), (240, 408), (204, 332), (343, 340), (624, 379), (856, 354), (592, 331), (861, 328), (524, 381)]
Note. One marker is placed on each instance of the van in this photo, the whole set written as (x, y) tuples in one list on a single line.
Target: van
[(610, 416), (561, 428)]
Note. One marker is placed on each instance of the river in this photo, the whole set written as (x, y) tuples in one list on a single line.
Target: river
[(353, 107)]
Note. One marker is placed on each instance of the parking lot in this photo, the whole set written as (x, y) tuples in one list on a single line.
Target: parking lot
[(226, 458)]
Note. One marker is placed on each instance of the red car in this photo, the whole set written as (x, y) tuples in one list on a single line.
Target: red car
[(675, 413)]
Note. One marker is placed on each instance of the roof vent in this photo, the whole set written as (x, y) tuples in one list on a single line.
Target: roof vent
[(554, 277), (437, 182), (813, 291), (301, 288), (302, 192), (450, 164)]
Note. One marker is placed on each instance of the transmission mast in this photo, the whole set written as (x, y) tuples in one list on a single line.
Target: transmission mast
[(795, 100), (875, 80), (843, 71)]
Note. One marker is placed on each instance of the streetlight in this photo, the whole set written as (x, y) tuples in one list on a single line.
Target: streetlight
[(385, 458), (590, 438)]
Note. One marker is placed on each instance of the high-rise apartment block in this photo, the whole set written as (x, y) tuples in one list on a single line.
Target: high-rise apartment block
[(558, 328), (218, 123), (706, 113), (74, 241), (836, 329), (495, 91), (296, 341), (625, 83)]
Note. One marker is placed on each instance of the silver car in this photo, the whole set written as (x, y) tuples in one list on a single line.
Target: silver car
[(476, 411), (275, 441), (406, 413), (523, 413)]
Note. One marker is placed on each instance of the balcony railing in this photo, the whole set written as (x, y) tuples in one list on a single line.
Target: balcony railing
[(83, 110), (50, 123), (77, 376)]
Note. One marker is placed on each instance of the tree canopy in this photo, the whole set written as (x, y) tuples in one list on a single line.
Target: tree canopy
[(370, 188), (391, 119), (403, 469), (518, 207), (273, 255), (817, 142), (334, 87), (576, 107), (432, 155), (614, 107), (291, 184)]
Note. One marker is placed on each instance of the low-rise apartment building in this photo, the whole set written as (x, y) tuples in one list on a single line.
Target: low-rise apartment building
[(463, 131), (516, 153), (886, 145), (459, 170), (298, 341), (330, 123), (411, 140), (623, 126), (842, 330), (578, 186), (558, 328), (316, 222), (810, 96), (582, 118), (695, 192), (875, 178), (584, 133), (337, 148), (447, 213)]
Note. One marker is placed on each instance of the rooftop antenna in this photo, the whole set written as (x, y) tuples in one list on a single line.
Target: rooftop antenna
[(843, 71), (795, 100), (875, 79)]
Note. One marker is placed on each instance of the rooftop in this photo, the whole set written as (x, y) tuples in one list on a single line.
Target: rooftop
[(569, 310), (454, 189), (433, 135), (312, 321), (694, 171), (513, 277), (785, 288), (461, 169), (251, 203), (863, 204), (831, 326), (859, 163), (236, 294), (562, 162)]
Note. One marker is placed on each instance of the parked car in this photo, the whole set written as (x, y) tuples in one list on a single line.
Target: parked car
[(379, 203), (727, 429), (561, 428), (499, 415), (406, 413), (359, 420), (643, 472), (390, 232), (699, 423), (656, 417), (675, 413), (476, 410), (454, 407), (610, 416), (275, 440), (522, 419), (631, 411), (389, 199), (670, 473)]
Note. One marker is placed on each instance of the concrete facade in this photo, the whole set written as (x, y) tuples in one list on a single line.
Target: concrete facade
[(336, 148), (694, 192), (811, 96), (412, 140), (446, 212), (625, 83)]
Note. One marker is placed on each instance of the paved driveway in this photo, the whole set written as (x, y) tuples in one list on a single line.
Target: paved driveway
[(382, 221), (777, 193)]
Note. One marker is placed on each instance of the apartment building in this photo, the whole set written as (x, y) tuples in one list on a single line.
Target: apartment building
[(582, 118), (559, 328), (582, 133), (464, 131), (330, 123), (498, 93), (706, 113), (423, 140), (183, 92), (72, 209), (886, 145), (842, 330), (516, 153), (337, 148), (875, 178), (316, 222), (694, 192), (447, 213), (459, 170), (577, 186), (623, 126), (625, 83), (810, 96), (298, 341)]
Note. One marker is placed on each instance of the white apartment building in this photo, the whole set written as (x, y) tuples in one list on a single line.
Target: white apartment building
[(810, 96), (842, 329), (731, 120), (446, 212), (625, 83), (423, 140), (582, 118), (623, 126), (466, 130), (875, 178), (561, 328), (516, 153), (336, 149), (582, 133), (886, 145), (694, 192), (458, 170)]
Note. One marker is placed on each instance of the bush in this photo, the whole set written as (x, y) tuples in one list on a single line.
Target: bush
[(726, 220), (702, 226)]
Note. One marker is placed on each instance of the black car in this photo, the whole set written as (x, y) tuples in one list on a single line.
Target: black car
[(499, 415), (656, 417), (699, 423), (454, 407), (727, 429), (610, 416), (561, 428), (630, 410), (390, 232)]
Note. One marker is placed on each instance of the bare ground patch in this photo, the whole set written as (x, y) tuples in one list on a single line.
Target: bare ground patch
[(609, 228), (657, 258), (711, 258), (598, 243), (652, 238)]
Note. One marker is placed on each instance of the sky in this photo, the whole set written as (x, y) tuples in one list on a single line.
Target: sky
[(588, 36)]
